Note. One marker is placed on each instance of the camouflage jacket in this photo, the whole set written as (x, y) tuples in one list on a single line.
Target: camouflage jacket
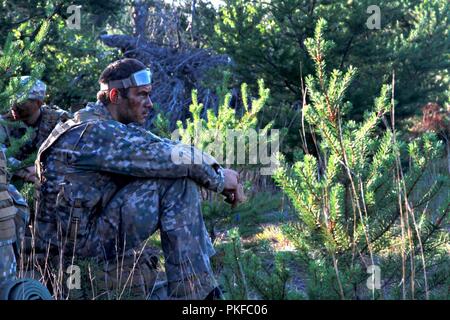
[(49, 118), (86, 159)]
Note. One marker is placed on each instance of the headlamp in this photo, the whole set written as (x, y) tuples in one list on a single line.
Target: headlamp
[(139, 78)]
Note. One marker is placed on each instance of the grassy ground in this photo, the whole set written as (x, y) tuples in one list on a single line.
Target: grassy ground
[(259, 223)]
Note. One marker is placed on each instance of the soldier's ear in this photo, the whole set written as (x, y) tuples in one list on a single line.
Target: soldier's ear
[(39, 103), (34, 105), (113, 95)]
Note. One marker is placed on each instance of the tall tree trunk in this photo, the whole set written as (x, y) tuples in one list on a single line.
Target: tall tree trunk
[(193, 25), (140, 17)]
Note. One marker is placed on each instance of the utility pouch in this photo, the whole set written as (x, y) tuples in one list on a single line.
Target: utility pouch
[(76, 204), (79, 201)]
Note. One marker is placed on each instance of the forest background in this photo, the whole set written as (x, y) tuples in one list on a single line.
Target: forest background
[(359, 91)]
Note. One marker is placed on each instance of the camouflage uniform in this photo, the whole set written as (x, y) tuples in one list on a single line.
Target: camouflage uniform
[(14, 211), (12, 288), (7, 227), (105, 187), (50, 116)]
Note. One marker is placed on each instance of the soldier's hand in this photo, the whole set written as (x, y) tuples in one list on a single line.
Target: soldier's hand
[(233, 190), (235, 197), (231, 179), (31, 174)]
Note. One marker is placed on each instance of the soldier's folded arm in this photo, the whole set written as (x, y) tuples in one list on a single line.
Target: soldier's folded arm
[(134, 151)]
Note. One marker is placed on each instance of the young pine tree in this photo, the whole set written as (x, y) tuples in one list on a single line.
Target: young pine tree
[(17, 59), (213, 133), (366, 201)]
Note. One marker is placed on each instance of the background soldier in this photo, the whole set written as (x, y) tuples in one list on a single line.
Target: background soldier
[(106, 184), (27, 111), (33, 113)]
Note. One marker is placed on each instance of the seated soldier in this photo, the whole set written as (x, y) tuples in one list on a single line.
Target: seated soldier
[(29, 109), (106, 185)]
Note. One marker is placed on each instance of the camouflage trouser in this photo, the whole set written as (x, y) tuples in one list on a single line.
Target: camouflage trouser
[(22, 217), (16, 227), (173, 207), (7, 260)]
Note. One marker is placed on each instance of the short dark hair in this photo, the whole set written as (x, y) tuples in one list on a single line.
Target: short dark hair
[(117, 70)]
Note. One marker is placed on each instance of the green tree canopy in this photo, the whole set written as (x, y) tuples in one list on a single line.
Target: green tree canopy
[(266, 40)]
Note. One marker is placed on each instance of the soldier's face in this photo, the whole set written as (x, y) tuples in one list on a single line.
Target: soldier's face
[(137, 106), (25, 110)]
